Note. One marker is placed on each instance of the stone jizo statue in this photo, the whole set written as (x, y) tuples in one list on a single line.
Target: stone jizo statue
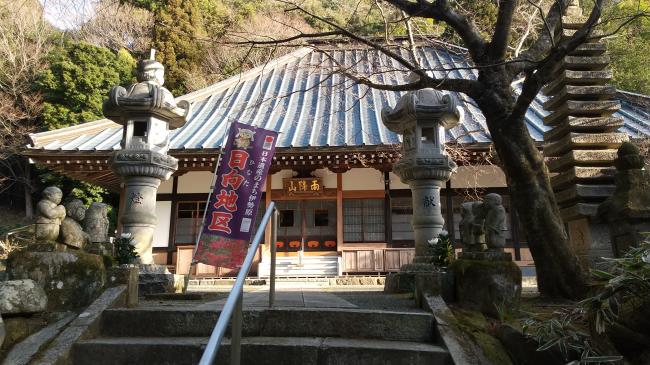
[(478, 229), (466, 225), (96, 222), (49, 214), (495, 222), (71, 232)]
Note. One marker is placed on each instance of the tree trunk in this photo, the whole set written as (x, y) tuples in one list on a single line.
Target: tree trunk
[(559, 273)]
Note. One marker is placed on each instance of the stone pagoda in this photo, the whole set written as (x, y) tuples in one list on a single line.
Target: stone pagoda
[(148, 112), (580, 148)]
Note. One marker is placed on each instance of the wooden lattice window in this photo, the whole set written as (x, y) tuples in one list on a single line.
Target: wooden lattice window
[(364, 220)]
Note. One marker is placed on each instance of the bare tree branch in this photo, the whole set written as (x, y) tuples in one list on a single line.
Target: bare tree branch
[(442, 11)]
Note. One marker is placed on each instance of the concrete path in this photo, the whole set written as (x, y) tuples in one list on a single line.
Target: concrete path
[(287, 298)]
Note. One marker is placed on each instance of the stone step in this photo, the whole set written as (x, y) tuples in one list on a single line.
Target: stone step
[(582, 158), (577, 108), (568, 32), (586, 63), (576, 175), (589, 49), (258, 351), (569, 77), (581, 193), (584, 92), (300, 271), (573, 22), (584, 141), (280, 322), (307, 258), (583, 125)]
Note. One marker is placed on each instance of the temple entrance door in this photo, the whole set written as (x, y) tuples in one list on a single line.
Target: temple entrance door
[(319, 232), (307, 225)]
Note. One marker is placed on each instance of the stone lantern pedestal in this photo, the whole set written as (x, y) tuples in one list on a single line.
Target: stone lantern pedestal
[(421, 117)]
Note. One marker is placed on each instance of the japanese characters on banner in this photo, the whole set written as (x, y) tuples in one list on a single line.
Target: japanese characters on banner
[(230, 218)]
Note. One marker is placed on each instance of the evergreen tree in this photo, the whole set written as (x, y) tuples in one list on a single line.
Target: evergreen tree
[(178, 36), (78, 79)]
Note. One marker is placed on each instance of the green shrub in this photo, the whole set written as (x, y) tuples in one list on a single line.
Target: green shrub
[(125, 250)]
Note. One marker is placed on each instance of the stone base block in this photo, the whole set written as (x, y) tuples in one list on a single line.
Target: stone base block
[(155, 279), (589, 240), (486, 285), (431, 284), (421, 283), (399, 282), (125, 275), (70, 279)]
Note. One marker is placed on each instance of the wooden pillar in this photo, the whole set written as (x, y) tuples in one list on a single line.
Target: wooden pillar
[(388, 231), (339, 211), (171, 244)]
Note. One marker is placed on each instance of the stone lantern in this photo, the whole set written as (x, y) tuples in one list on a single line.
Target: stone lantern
[(148, 112), (421, 117)]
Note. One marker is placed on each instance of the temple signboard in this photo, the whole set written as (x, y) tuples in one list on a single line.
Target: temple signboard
[(312, 186)]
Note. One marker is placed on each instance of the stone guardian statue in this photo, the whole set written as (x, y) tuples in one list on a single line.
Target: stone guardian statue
[(49, 214), (71, 232), (96, 222), (495, 222), (478, 228), (466, 226)]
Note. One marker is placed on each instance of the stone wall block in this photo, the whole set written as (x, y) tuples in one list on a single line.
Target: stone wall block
[(70, 279), (21, 296)]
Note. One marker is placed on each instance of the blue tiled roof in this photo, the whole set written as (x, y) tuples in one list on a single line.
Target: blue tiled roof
[(310, 106)]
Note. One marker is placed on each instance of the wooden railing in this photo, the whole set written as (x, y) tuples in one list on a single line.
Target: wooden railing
[(355, 260)]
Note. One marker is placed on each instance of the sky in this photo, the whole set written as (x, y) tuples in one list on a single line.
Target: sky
[(67, 14)]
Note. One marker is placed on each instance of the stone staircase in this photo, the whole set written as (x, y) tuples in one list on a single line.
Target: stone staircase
[(293, 267), (301, 336)]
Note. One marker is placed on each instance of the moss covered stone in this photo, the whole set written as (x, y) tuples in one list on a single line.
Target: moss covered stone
[(70, 279), (487, 286)]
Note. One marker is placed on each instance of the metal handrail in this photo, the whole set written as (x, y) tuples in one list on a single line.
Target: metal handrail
[(233, 304)]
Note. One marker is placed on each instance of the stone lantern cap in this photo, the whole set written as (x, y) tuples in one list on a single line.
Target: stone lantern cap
[(146, 97), (426, 108)]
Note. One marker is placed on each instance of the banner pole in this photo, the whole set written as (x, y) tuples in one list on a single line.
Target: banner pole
[(205, 211)]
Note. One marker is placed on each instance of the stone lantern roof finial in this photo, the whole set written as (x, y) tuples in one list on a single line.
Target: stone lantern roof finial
[(151, 70)]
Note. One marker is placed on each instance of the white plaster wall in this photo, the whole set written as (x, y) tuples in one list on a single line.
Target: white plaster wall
[(166, 187), (329, 177), (161, 235), (395, 182), (363, 179), (276, 179), (489, 176), (195, 182)]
